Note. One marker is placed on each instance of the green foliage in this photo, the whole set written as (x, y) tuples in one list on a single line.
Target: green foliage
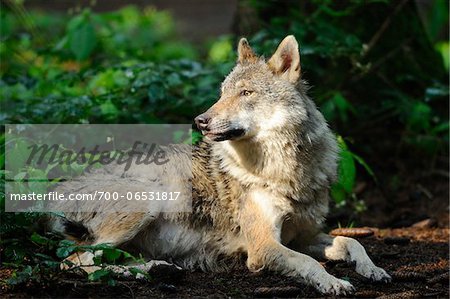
[(37, 257), (81, 36), (343, 188), (137, 92), (437, 20), (31, 254), (444, 49), (221, 51), (337, 107), (110, 81)]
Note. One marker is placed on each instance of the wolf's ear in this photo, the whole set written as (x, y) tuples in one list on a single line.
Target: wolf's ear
[(245, 53), (286, 60)]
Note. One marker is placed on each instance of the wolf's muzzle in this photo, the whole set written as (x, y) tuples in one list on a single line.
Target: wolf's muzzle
[(202, 121)]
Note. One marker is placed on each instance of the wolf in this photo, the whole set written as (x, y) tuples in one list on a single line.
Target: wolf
[(260, 186)]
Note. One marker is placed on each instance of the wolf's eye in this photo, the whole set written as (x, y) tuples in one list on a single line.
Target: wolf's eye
[(246, 93)]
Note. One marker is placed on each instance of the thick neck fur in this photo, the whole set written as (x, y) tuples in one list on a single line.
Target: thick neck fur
[(265, 158)]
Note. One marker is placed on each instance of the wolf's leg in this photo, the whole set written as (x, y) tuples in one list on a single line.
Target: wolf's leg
[(114, 229), (349, 250), (276, 257), (261, 224)]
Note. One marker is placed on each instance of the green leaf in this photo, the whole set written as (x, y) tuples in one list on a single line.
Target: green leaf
[(346, 168), (99, 274), (178, 136), (18, 156), (2, 160), (338, 194), (109, 109), (347, 171), (337, 105), (65, 251), (444, 48), (52, 264), (329, 110), (38, 181), (127, 255), (97, 260), (20, 176), (441, 128), (37, 174), (38, 239), (21, 276), (82, 40), (363, 163), (112, 254), (419, 116), (221, 51), (156, 92), (196, 137), (174, 80), (65, 243)]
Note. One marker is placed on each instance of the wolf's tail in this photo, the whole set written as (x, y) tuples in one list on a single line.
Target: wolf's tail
[(74, 230)]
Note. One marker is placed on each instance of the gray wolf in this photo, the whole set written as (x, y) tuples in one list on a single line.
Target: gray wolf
[(260, 185)]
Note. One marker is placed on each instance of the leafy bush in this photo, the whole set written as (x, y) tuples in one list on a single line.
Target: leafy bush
[(42, 264), (99, 71)]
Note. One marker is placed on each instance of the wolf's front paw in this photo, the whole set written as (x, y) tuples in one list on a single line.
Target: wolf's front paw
[(335, 286), (374, 273)]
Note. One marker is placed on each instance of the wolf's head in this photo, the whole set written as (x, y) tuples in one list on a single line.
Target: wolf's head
[(258, 96)]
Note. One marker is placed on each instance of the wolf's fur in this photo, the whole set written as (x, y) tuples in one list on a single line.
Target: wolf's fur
[(261, 191)]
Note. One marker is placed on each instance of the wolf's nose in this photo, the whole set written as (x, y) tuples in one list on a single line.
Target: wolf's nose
[(202, 121)]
